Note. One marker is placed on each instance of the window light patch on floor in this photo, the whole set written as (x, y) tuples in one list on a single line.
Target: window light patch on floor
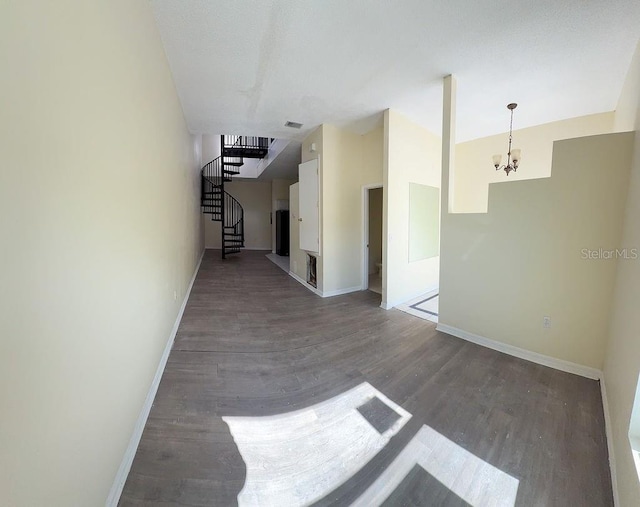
[(297, 458)]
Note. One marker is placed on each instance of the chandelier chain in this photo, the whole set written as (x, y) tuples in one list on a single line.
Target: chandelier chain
[(510, 137), (509, 166)]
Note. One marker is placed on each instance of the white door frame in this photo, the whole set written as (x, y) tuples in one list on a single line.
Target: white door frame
[(365, 232)]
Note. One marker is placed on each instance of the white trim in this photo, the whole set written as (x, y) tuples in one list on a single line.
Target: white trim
[(130, 452), (365, 232), (408, 307), (404, 300), (266, 249), (340, 292), (558, 364), (534, 357), (303, 282), (608, 427), (274, 261), (318, 292)]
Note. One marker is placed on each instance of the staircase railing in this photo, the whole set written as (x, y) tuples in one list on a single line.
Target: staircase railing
[(211, 189), (233, 215), (221, 205), (249, 142), (218, 203), (213, 171)]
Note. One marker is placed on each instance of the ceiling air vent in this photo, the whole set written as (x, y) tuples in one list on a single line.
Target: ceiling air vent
[(293, 124)]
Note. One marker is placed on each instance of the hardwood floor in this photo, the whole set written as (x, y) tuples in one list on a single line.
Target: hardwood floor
[(254, 342)]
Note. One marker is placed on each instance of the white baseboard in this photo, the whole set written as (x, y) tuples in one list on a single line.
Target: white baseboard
[(266, 249), (393, 304), (558, 364), (512, 350), (340, 292), (300, 280), (322, 294), (127, 460), (609, 433)]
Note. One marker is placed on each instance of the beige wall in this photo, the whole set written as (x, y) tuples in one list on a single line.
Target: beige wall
[(211, 148), (412, 156), (100, 220), (504, 270), (279, 191), (375, 228), (347, 163), (622, 363), (255, 198), (345, 172), (474, 171)]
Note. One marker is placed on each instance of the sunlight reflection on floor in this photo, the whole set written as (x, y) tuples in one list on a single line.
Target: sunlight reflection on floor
[(470, 478), (299, 457)]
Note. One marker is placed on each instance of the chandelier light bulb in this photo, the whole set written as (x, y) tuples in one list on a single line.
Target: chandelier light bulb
[(515, 157)]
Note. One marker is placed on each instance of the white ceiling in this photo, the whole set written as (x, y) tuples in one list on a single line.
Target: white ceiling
[(245, 67)]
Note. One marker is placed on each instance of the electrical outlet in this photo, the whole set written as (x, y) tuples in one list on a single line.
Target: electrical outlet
[(175, 295), (546, 322)]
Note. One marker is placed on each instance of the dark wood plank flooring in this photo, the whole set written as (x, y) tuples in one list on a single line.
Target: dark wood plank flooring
[(254, 342)]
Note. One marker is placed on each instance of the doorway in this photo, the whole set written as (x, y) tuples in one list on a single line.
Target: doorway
[(372, 276)]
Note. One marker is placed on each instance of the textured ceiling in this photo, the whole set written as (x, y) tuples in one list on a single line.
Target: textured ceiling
[(246, 67)]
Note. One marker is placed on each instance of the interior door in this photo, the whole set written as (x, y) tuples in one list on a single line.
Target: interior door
[(309, 206)]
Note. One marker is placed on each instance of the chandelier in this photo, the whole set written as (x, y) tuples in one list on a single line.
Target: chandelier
[(513, 156)]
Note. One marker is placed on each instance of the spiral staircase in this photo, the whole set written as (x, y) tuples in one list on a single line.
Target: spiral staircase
[(215, 200)]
